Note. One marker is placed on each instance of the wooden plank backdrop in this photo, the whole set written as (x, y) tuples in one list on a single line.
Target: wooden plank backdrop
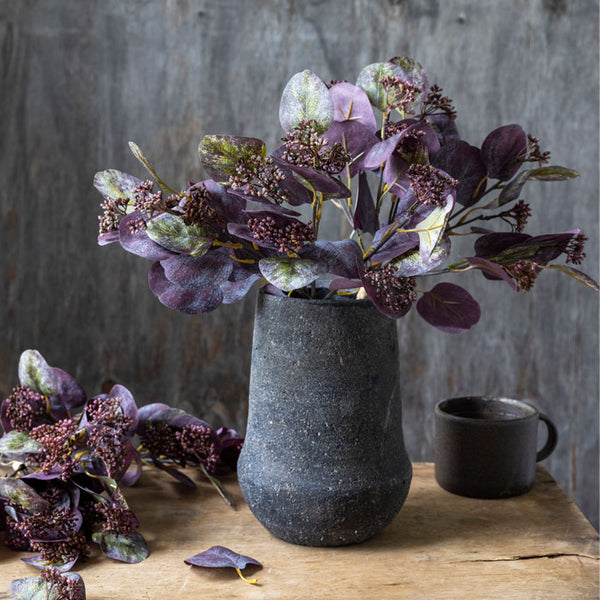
[(80, 79)]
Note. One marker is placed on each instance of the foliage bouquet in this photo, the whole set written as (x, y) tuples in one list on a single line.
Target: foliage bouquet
[(71, 456), (386, 153)]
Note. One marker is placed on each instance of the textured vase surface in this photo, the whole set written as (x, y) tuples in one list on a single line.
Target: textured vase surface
[(324, 462)]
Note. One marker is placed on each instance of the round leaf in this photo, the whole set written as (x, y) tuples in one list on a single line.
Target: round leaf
[(304, 98)]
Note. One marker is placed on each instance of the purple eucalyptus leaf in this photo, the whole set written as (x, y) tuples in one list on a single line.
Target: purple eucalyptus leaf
[(128, 405), (382, 304), (326, 184), (273, 291), (170, 232), (463, 162), (229, 206), (42, 563), (291, 273), (108, 238), (547, 247), (305, 97), (398, 244), (490, 245), (37, 374), (231, 443), (138, 242), (444, 127), (380, 152), (449, 307), (71, 394), (411, 264), (192, 272), (355, 138), (19, 492), (238, 285), (296, 192), (491, 270), (175, 473), (219, 154), (186, 300), (115, 184), (147, 411), (577, 275), (128, 549), (365, 215), (343, 283), (219, 556), (340, 257), (352, 104), (133, 472), (501, 150), (37, 588)]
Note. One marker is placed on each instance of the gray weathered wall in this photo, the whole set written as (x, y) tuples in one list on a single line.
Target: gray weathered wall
[(81, 78)]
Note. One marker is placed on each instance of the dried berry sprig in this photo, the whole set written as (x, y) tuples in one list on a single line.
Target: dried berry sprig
[(305, 147), (260, 177), (76, 453), (435, 103)]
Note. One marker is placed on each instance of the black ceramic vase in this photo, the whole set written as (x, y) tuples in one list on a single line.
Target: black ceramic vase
[(324, 462)]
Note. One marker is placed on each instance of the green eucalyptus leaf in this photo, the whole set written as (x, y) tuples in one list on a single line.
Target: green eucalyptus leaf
[(19, 492), (129, 549), (137, 152), (553, 173), (431, 229), (577, 275), (412, 264), (37, 374), (173, 234), (291, 273), (18, 442), (369, 79), (306, 97), (511, 191), (220, 154), (115, 184), (36, 588)]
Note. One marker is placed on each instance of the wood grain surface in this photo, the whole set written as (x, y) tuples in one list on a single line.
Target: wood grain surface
[(80, 79), (533, 547)]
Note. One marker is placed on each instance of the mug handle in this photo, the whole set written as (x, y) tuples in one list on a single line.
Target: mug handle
[(550, 442)]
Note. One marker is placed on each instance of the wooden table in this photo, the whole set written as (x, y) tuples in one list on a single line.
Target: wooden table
[(441, 546)]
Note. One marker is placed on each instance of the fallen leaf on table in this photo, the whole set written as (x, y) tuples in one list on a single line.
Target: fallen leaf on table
[(219, 556)]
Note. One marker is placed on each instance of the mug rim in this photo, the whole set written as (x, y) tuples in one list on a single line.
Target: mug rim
[(530, 408)]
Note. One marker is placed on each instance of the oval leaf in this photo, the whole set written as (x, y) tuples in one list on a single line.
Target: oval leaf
[(291, 273), (129, 549), (449, 307), (115, 184), (170, 232), (369, 79), (36, 588), (219, 154), (306, 97), (37, 374), (18, 492), (500, 151), (219, 556)]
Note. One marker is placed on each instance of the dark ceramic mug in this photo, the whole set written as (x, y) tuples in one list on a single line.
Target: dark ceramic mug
[(487, 447)]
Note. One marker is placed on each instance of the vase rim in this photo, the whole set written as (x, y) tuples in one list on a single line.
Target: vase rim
[(335, 300)]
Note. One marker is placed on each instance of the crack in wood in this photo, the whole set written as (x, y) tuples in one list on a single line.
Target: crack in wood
[(534, 556)]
